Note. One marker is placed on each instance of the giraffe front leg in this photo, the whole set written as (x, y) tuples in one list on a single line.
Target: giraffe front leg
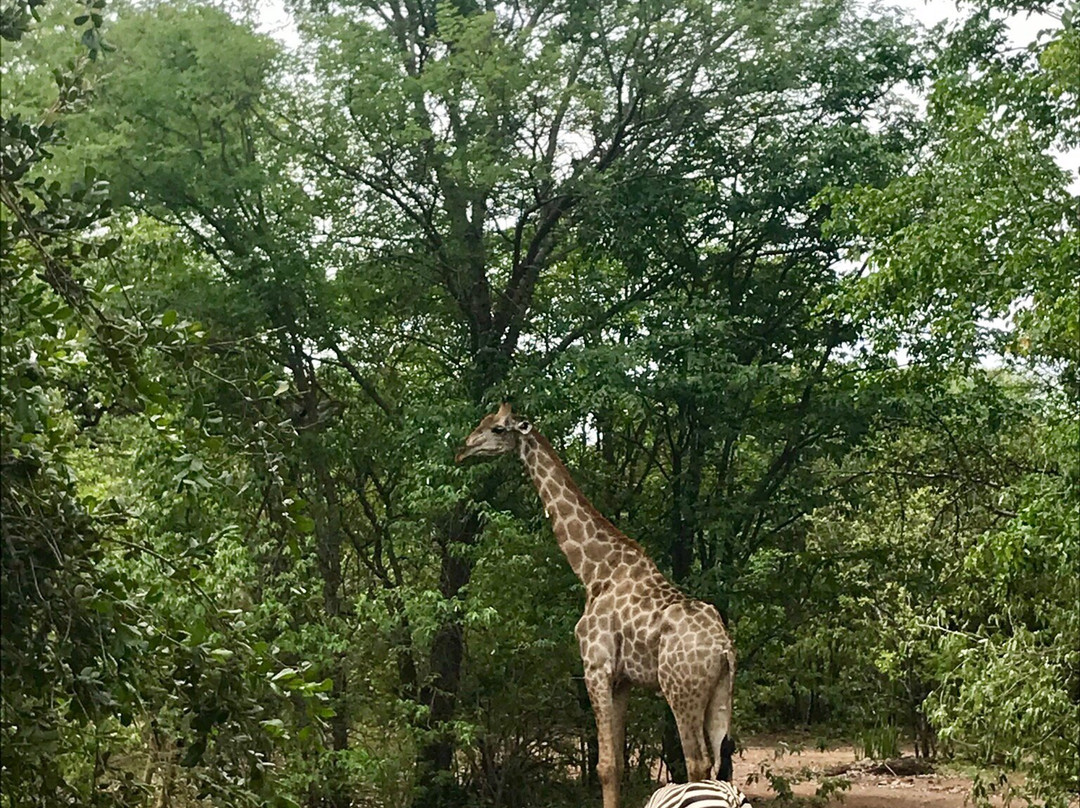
[(598, 680), (620, 698)]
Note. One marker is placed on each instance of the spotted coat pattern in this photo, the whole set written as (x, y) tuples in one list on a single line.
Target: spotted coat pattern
[(637, 629)]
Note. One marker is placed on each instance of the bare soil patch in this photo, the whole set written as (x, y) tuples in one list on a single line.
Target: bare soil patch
[(902, 782)]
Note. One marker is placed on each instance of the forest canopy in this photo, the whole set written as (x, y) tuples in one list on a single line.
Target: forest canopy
[(793, 288)]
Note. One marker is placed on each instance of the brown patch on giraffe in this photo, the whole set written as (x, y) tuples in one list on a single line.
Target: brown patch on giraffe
[(596, 551), (563, 509)]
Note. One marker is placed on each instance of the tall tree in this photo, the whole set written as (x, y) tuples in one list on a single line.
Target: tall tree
[(499, 139), (974, 253), (405, 227), (90, 659)]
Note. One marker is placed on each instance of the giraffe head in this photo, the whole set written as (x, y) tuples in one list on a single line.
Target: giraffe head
[(496, 434)]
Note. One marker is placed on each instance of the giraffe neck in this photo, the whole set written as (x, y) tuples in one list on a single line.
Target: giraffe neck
[(595, 548)]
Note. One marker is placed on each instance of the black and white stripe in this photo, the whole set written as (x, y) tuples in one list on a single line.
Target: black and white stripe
[(706, 794)]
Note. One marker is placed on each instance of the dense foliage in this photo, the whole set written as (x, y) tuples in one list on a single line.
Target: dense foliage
[(812, 342)]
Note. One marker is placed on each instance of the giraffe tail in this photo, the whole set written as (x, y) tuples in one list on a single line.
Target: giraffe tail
[(718, 720), (727, 749)]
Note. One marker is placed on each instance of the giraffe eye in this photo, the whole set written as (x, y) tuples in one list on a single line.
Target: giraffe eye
[(498, 430)]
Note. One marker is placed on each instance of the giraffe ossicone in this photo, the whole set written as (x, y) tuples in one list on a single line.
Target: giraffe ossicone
[(637, 629)]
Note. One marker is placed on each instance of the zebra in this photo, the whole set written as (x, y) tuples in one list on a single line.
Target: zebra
[(704, 794)]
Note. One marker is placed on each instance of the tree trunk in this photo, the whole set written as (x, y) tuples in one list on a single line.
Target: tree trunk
[(436, 757), (459, 533), (681, 548), (336, 793)]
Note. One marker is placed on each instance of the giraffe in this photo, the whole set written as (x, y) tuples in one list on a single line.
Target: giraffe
[(637, 628)]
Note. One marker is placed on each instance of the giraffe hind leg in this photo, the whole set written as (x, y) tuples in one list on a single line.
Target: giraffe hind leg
[(692, 736), (688, 688), (688, 706)]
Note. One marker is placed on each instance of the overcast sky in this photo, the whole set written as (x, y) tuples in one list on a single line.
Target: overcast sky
[(275, 20)]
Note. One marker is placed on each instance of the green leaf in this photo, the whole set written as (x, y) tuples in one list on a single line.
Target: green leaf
[(108, 247)]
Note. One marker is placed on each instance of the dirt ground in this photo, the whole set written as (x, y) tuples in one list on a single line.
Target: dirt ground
[(867, 790)]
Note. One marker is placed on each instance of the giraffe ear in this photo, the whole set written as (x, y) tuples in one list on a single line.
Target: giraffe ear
[(524, 427)]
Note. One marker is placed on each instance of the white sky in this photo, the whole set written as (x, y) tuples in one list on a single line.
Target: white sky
[(275, 20), (1023, 27)]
